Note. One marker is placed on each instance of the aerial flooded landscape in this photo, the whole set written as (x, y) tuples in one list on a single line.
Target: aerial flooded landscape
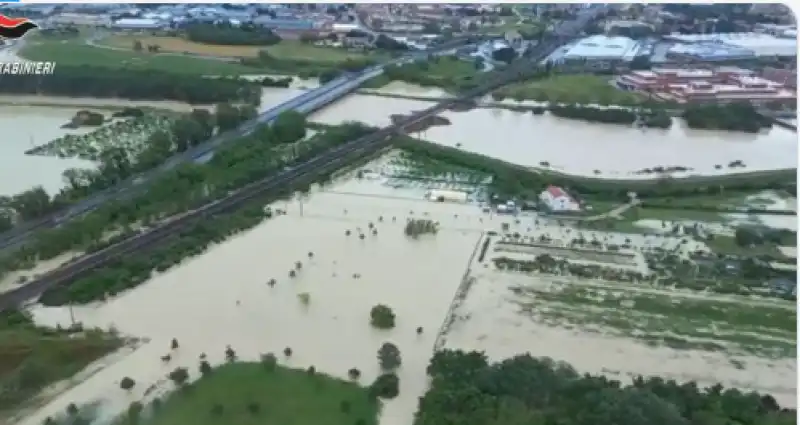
[(399, 215)]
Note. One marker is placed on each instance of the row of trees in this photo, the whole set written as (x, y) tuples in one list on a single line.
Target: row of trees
[(511, 181), (117, 165), (268, 150), (655, 118), (229, 35), (89, 81), (467, 390), (740, 116)]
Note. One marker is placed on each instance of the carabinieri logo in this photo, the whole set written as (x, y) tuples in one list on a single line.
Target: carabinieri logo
[(14, 28)]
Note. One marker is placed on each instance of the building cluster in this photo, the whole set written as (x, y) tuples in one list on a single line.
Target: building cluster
[(282, 18), (718, 85)]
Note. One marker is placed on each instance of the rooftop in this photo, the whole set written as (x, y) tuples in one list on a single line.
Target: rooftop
[(603, 47), (760, 44)]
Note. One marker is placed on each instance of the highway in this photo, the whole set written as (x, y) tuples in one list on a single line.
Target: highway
[(305, 103), (327, 161)]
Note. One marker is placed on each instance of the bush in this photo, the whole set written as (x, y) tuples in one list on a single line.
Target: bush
[(382, 317), (386, 386), (389, 356), (127, 383)]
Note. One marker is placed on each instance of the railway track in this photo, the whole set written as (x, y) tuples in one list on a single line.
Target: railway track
[(22, 232), (330, 160)]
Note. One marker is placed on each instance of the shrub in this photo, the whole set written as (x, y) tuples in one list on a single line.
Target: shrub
[(382, 317), (386, 386), (127, 383)]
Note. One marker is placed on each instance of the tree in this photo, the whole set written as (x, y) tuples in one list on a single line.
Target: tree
[(354, 374), (270, 361), (127, 383), (205, 367), (386, 385), (179, 376), (230, 355), (389, 356), (382, 317), (135, 412)]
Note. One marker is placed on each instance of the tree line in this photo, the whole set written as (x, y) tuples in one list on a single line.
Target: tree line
[(117, 165), (229, 35), (512, 181), (89, 81), (738, 116), (467, 390), (647, 118)]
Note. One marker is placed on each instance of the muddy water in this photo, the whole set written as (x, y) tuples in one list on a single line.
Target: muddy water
[(613, 151), (222, 298), (28, 121), (22, 128)]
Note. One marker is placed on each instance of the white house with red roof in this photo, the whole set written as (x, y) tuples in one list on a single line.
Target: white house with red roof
[(558, 200)]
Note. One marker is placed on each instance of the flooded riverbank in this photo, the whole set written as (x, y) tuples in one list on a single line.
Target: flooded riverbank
[(28, 121), (24, 127), (606, 151), (222, 297)]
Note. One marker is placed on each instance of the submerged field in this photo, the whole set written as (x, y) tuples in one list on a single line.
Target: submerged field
[(348, 239)]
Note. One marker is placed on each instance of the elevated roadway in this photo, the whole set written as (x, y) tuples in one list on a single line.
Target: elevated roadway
[(330, 160), (305, 103)]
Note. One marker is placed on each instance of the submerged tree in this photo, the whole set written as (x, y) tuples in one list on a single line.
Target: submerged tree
[(389, 356), (382, 317), (127, 383), (386, 385), (416, 227)]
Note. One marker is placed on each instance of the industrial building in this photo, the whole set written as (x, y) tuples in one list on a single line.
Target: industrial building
[(140, 24), (724, 84), (717, 46), (557, 200), (597, 51)]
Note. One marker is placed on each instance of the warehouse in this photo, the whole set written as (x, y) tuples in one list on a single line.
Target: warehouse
[(133, 24), (597, 51), (757, 44)]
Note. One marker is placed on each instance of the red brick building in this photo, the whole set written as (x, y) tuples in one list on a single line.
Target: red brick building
[(724, 84)]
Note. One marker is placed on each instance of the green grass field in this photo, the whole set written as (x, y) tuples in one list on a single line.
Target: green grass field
[(283, 397), (581, 88), (76, 53)]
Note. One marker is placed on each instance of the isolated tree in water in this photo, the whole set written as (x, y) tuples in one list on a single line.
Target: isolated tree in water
[(389, 356), (127, 383), (382, 317), (179, 376)]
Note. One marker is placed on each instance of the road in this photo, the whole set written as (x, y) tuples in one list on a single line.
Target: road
[(305, 103)]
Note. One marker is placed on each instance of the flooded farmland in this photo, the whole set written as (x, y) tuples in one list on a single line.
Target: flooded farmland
[(222, 298), (607, 151)]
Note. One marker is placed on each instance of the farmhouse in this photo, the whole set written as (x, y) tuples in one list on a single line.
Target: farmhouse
[(556, 199)]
